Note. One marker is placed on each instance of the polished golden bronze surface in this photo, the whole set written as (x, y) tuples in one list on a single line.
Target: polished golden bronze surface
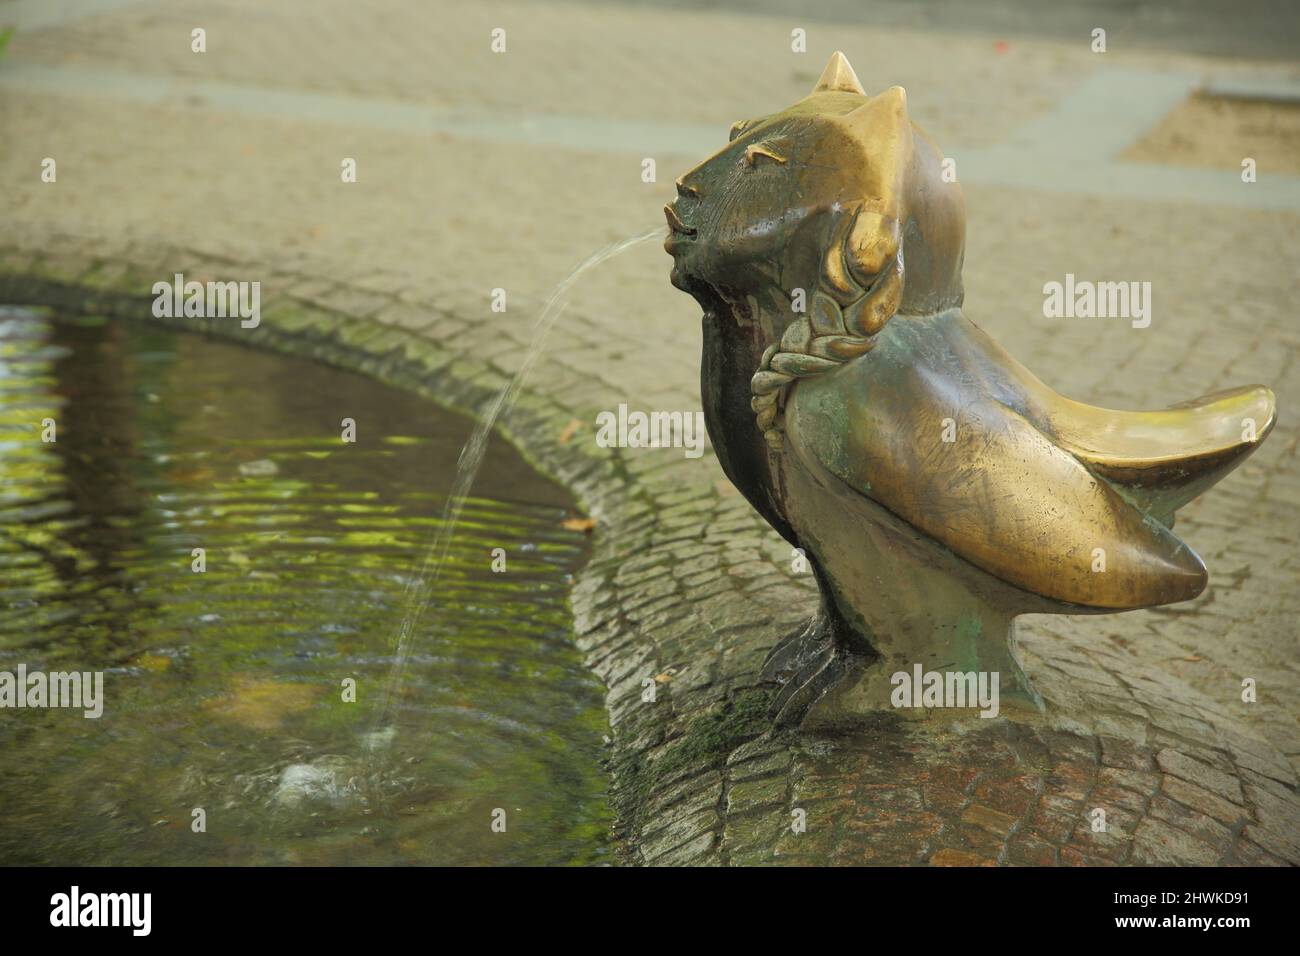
[(937, 486)]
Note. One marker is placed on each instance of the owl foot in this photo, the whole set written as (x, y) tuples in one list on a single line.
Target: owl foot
[(780, 663), (807, 664)]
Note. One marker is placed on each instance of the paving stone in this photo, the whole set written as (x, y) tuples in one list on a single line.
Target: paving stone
[(1026, 849), (1157, 843), (1203, 775), (757, 795), (989, 819), (1198, 798), (762, 766)]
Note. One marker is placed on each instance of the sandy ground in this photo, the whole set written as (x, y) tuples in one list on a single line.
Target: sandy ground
[(1219, 131)]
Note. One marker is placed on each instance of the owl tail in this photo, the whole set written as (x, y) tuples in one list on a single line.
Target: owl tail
[(1161, 460)]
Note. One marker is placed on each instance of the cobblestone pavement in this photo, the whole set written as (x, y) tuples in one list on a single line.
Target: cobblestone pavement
[(165, 166)]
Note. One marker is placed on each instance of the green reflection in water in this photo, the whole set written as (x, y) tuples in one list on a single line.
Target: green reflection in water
[(223, 689)]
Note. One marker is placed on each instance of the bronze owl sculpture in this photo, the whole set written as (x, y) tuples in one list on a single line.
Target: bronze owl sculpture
[(936, 486)]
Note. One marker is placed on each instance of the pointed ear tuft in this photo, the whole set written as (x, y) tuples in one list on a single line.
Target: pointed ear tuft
[(891, 103), (839, 77), (898, 97), (883, 122)]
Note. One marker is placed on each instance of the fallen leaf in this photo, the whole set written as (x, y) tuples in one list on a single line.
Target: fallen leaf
[(571, 429)]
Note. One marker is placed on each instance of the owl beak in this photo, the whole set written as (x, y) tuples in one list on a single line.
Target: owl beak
[(675, 224)]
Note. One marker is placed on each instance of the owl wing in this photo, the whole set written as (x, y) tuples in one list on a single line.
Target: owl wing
[(946, 456)]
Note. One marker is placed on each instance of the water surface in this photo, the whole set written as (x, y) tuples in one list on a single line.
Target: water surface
[(224, 689)]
